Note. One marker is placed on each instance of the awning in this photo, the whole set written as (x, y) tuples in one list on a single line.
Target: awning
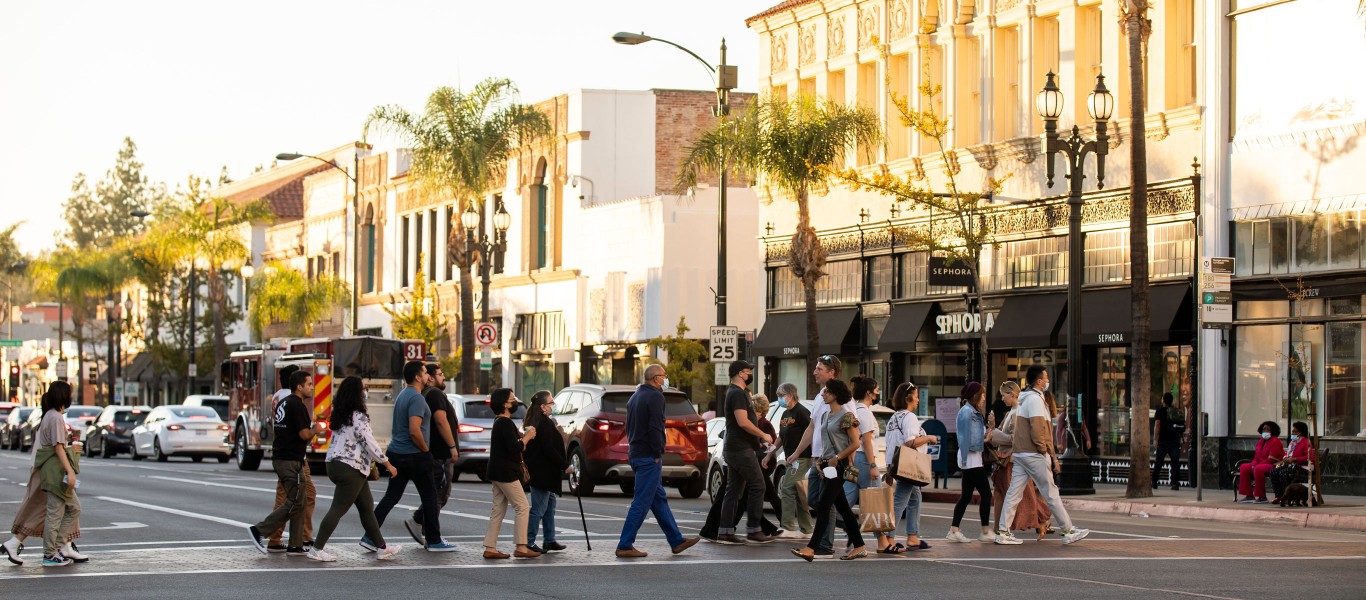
[(1280, 288), (1027, 322), (139, 368), (1107, 318), (904, 326), (784, 334)]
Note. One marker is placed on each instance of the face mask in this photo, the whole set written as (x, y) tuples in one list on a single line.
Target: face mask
[(666, 382), (1294, 437), (1045, 385), (1266, 435), (749, 378)]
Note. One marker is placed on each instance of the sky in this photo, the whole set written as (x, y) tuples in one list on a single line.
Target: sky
[(198, 85)]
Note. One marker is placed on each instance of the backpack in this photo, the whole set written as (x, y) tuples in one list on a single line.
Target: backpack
[(1177, 418)]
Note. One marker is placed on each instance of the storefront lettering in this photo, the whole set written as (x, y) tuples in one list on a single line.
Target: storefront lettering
[(792, 351), (1110, 338), (959, 323)]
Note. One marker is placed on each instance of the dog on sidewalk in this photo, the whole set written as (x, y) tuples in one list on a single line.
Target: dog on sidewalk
[(1297, 494)]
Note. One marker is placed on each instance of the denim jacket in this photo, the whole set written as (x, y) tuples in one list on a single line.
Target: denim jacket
[(971, 431)]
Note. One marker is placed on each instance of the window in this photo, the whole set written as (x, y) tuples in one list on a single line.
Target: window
[(1005, 74), (898, 135), (1029, 263), (432, 241), (779, 93), (1181, 69), (841, 285), (369, 230), (933, 74), (867, 98), (1046, 60), (914, 278), (1298, 244), (880, 271), (405, 255), (542, 227), (968, 98), (807, 87), (1088, 61), (834, 87), (451, 222), (336, 264), (1171, 252), (937, 375)]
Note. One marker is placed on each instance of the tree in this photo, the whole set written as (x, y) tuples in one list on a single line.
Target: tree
[(793, 144), (688, 367), (282, 295), (1136, 26), (421, 320), (9, 257), (105, 215), (461, 145)]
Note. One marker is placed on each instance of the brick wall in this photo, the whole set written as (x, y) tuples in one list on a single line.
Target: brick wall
[(680, 116)]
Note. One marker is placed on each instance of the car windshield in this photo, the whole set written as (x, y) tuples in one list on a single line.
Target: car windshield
[(675, 405), (130, 417), (479, 409), (77, 412), (193, 412), (25, 412)]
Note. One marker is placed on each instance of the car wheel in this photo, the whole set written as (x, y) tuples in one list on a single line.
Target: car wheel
[(714, 484), (693, 488), (134, 449), (198, 459), (105, 452), (157, 452), (579, 483), (247, 460), (628, 486)]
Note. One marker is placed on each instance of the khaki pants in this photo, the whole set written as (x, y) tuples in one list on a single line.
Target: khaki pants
[(291, 474), (310, 498), (795, 518), (1034, 468), (505, 493), (61, 520)]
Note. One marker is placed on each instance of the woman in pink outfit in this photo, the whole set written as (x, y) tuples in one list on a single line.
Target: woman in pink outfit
[(1252, 475)]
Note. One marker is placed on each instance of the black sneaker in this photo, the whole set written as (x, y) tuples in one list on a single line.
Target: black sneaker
[(731, 539), (296, 551), (368, 544), (257, 539), (276, 548), (554, 547), (535, 548), (415, 530), (824, 554)]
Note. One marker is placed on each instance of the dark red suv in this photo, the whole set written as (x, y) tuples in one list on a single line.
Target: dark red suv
[(593, 420)]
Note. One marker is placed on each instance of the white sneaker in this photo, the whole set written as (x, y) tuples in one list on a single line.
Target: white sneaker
[(70, 552), (1006, 538), (794, 535), (1075, 535), (957, 536), (320, 555), (12, 548), (986, 538), (388, 552)]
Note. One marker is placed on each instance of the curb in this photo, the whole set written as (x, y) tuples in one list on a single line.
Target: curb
[(1299, 518)]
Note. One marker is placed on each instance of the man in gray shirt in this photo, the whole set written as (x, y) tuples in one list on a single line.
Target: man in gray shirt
[(409, 453)]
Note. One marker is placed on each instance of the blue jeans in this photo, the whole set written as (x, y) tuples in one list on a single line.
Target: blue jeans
[(815, 484), (542, 515), (650, 497), (864, 473), (906, 504)]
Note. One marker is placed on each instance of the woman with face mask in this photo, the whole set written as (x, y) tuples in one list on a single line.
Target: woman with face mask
[(1252, 474), (1296, 458)]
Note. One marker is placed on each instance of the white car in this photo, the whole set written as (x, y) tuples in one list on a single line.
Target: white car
[(193, 431), (78, 418)]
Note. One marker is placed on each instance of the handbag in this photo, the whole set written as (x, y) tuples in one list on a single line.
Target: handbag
[(912, 466), (875, 509), (526, 475), (374, 472), (851, 473)]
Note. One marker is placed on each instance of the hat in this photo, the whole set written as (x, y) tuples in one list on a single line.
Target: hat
[(970, 390), (739, 365)]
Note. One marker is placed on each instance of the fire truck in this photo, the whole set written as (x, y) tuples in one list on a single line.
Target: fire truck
[(251, 376)]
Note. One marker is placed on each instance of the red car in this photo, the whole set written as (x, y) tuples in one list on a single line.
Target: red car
[(593, 420)]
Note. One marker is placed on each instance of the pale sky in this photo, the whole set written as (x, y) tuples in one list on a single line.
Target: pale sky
[(198, 85)]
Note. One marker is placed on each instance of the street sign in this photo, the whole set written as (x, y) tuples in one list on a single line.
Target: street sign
[(722, 373), (11, 343), (1216, 297), (486, 334), (486, 358), (193, 371), (131, 390), (62, 367), (118, 390), (725, 344)]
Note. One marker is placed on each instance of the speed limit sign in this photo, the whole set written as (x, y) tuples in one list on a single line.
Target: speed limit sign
[(724, 344), (486, 334)]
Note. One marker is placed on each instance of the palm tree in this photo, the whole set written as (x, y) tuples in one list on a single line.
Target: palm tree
[(461, 145), (83, 278), (282, 295), (794, 145), (1134, 22)]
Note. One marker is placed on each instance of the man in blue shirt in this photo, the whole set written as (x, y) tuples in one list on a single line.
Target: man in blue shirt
[(645, 433), (409, 453)]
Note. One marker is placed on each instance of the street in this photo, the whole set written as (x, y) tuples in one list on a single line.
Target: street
[(177, 529)]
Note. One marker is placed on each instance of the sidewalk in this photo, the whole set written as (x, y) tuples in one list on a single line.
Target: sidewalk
[(1338, 512)]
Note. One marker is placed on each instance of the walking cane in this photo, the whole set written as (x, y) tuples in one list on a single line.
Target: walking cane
[(583, 520)]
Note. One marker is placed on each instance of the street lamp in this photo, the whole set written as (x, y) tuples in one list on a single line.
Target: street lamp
[(111, 358), (247, 271), (726, 77), (354, 176), (495, 249), (1075, 478)]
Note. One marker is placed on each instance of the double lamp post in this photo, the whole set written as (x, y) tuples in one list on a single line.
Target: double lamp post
[(490, 252)]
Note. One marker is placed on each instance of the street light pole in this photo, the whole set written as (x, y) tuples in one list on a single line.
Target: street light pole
[(490, 252), (1075, 477)]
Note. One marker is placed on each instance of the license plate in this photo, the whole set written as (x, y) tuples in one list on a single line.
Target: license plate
[(201, 432)]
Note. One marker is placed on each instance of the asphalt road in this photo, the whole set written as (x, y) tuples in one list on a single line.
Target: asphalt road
[(177, 530)]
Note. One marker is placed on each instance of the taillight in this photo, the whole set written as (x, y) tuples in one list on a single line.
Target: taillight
[(174, 427), (466, 428), (700, 427), (604, 425), (223, 428)]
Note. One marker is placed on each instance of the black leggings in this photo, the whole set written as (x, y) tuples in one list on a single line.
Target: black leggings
[(832, 495), (974, 479)]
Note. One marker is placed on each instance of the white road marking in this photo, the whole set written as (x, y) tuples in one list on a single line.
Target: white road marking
[(174, 511), (116, 525)]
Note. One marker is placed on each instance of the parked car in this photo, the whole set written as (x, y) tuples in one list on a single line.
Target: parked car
[(28, 429), (593, 420), (9, 426), (5, 408), (219, 404), (194, 431), (472, 435), (78, 418), (112, 431)]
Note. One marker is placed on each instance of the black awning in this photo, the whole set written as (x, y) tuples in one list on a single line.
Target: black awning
[(1315, 286), (1107, 316), (784, 334), (903, 328), (1027, 322)]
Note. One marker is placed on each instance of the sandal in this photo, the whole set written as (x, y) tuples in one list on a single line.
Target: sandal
[(855, 555), (803, 556), (893, 549)]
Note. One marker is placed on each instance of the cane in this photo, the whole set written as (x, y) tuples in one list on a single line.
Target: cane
[(584, 520)]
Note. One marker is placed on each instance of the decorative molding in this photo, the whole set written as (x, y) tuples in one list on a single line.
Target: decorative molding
[(900, 17), (985, 155), (1298, 138), (1024, 149), (834, 37), (929, 15), (1156, 127), (919, 174), (867, 27), (806, 44), (778, 52), (1004, 5)]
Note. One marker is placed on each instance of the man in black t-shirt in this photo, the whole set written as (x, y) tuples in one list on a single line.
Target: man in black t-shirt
[(1167, 433), (743, 473), (444, 446), (796, 521), (294, 427)]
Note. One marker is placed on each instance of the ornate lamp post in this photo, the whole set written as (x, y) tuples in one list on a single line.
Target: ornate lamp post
[(1076, 468), (247, 272), (490, 253)]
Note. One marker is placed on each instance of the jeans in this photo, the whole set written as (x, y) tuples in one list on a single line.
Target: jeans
[(832, 499), (794, 518), (906, 504), (352, 490), (417, 468), (443, 473), (542, 515), (310, 497), (507, 493), (865, 473), (291, 475), (815, 488), (1168, 450), (742, 468), (651, 497), (62, 514), (1034, 468)]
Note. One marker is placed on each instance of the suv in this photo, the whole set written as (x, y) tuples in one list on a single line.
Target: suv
[(593, 420), (112, 432), (475, 420)]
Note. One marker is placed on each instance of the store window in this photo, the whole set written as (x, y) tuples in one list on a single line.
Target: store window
[(1029, 264), (937, 375), (1170, 374), (1260, 372), (842, 284), (880, 270), (914, 278), (1298, 244), (1171, 253)]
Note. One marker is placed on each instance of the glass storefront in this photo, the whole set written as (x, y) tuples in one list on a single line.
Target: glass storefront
[(1169, 372), (937, 375)]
